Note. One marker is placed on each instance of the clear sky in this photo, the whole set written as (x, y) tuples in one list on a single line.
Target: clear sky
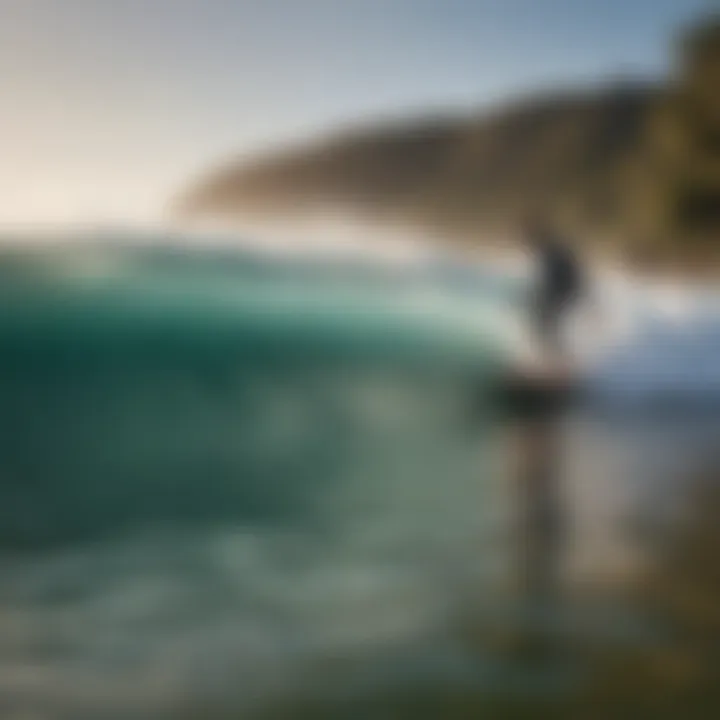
[(110, 106)]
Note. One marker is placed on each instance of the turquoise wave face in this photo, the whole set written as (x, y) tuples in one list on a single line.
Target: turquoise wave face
[(247, 306), (231, 487), (144, 387)]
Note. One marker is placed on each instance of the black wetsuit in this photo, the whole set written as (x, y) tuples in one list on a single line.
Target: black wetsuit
[(560, 284)]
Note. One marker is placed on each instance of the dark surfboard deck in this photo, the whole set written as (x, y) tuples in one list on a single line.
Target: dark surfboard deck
[(522, 394)]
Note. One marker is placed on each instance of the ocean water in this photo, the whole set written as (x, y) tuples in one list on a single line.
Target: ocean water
[(231, 484)]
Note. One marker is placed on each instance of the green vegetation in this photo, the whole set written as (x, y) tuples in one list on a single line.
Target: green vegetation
[(633, 165), (677, 186)]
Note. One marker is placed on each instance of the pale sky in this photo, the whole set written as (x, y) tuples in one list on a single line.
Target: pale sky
[(109, 107)]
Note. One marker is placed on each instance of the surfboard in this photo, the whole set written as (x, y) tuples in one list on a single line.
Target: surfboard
[(537, 391)]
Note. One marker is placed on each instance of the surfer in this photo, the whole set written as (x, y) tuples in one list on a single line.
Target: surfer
[(560, 285)]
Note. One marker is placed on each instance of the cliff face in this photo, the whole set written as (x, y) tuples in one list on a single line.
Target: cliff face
[(637, 163), (454, 174)]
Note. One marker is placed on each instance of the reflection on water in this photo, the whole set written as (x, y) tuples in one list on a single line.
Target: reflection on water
[(194, 528), (541, 519)]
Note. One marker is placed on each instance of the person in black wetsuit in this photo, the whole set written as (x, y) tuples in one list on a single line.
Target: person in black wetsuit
[(560, 284)]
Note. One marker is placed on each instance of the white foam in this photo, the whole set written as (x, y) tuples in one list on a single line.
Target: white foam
[(660, 340)]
